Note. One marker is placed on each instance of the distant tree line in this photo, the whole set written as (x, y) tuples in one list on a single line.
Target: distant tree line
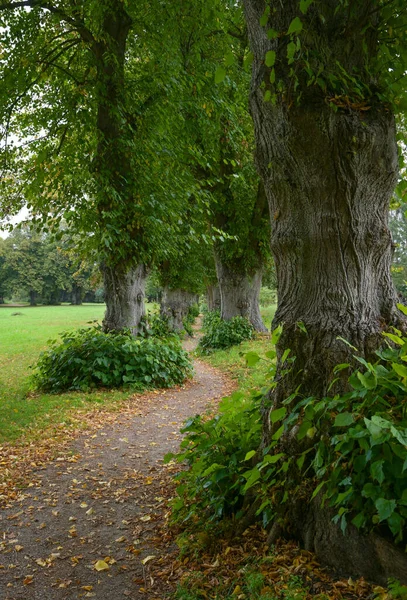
[(39, 268)]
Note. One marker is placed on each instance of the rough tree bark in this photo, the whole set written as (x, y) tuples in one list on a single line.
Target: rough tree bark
[(213, 297), (175, 305), (124, 291), (329, 176), (239, 294)]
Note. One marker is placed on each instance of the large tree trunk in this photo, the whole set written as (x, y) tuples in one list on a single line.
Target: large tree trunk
[(33, 297), (124, 292), (76, 297), (175, 305), (239, 294), (213, 297), (329, 176)]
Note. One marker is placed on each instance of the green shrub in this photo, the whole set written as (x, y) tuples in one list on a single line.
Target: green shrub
[(215, 450), (193, 312), (220, 334), (89, 358), (267, 296), (154, 325)]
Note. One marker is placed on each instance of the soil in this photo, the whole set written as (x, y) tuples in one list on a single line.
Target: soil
[(89, 526)]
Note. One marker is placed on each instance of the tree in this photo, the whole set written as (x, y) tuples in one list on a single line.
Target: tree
[(219, 134), (85, 89), (325, 79)]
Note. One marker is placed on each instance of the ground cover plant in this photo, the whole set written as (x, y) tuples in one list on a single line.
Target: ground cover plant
[(354, 461)]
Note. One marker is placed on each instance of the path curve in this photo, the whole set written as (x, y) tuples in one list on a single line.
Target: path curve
[(104, 502)]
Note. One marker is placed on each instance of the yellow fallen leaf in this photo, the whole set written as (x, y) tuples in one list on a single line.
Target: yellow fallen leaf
[(90, 511), (145, 518), (27, 580), (41, 562), (237, 590), (18, 548), (87, 588), (147, 559), (83, 505), (101, 565), (121, 539)]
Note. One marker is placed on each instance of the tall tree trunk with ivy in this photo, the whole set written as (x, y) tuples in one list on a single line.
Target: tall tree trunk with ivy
[(327, 154)]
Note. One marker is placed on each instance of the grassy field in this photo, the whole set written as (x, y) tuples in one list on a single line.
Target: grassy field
[(24, 333)]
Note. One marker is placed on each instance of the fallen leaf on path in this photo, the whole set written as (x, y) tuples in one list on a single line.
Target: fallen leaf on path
[(101, 565)]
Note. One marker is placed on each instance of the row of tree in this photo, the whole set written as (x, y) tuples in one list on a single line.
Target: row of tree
[(122, 133)]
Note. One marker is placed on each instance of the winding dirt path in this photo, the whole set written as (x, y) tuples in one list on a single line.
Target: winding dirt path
[(102, 505)]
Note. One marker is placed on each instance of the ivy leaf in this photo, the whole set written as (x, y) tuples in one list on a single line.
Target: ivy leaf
[(250, 454), (220, 74), (295, 26), (291, 48), (278, 414), (270, 58), (399, 369), (343, 419), (304, 5), (385, 508), (376, 471)]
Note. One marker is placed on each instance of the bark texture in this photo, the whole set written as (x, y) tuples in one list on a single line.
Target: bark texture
[(175, 305), (124, 296), (213, 297), (239, 294), (329, 177)]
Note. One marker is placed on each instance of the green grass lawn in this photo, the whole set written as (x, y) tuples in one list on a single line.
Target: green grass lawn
[(22, 338), (232, 360)]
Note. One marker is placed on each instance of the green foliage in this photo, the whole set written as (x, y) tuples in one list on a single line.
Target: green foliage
[(267, 296), (88, 358), (216, 451), (193, 312), (223, 334)]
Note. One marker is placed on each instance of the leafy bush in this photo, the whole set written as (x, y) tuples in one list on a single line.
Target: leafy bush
[(88, 358), (193, 312), (223, 334), (215, 450), (352, 451), (154, 325), (267, 296)]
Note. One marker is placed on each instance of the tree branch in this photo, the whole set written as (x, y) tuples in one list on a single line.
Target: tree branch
[(83, 31)]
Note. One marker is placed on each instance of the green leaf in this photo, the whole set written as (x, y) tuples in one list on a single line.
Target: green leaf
[(270, 58), (394, 338), (272, 34), (278, 414), (301, 326), (317, 489), (295, 26), (368, 381), (399, 369), (276, 334), (270, 459), (343, 419), (376, 470), (291, 48), (229, 59), (220, 74), (402, 308), (304, 5), (250, 454), (385, 508), (278, 433), (252, 358)]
